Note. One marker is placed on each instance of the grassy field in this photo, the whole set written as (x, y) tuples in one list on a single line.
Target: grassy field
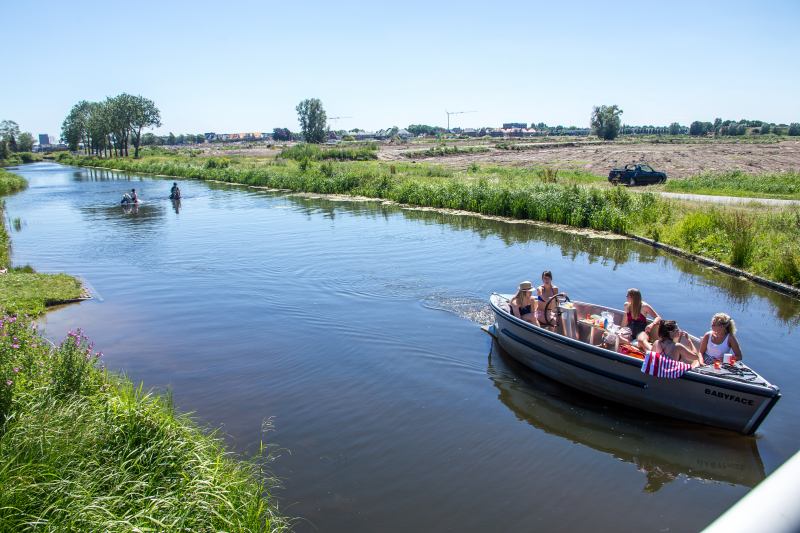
[(82, 449), (768, 185), (761, 239)]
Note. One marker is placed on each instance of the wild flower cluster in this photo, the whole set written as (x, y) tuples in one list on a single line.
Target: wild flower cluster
[(29, 362)]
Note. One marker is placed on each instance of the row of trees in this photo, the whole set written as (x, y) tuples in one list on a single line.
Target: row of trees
[(733, 128), (149, 139), (13, 140), (110, 125)]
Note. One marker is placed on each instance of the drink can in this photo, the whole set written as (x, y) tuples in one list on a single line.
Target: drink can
[(716, 364)]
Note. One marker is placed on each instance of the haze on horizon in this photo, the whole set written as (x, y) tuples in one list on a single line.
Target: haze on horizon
[(236, 67)]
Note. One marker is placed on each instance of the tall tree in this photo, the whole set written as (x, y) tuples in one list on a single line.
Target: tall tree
[(74, 129), (312, 120), (605, 121), (674, 128), (9, 131), (25, 142), (144, 114)]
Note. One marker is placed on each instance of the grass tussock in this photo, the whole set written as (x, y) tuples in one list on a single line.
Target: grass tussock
[(83, 450), (27, 292), (10, 182), (738, 183)]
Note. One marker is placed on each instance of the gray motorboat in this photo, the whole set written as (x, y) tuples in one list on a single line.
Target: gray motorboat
[(733, 397)]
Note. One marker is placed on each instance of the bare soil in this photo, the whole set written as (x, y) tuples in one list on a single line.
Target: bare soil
[(678, 160)]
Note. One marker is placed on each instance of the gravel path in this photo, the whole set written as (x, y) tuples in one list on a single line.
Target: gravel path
[(728, 199)]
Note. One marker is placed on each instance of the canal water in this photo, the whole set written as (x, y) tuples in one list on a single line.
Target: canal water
[(355, 328)]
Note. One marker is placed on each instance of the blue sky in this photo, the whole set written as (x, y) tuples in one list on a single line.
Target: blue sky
[(240, 66)]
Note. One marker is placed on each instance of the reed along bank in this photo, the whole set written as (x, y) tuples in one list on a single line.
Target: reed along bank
[(762, 240)]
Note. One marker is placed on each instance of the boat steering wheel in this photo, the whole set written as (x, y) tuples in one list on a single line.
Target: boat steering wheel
[(547, 309)]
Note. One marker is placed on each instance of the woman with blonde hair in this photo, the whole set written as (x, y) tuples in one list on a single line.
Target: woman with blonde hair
[(720, 340), (522, 304), (636, 312)]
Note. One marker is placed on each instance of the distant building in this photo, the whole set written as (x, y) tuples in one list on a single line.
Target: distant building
[(515, 126), (44, 139), (404, 134)]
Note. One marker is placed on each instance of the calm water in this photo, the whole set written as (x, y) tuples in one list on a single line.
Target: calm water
[(355, 327)]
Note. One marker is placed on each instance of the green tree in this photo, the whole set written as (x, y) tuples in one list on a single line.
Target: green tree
[(144, 114), (25, 142), (9, 131), (312, 120), (605, 121), (74, 129), (281, 134), (171, 139), (794, 129), (149, 139), (765, 129), (674, 128), (700, 128)]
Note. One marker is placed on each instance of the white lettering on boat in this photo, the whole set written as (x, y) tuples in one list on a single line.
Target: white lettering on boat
[(730, 397)]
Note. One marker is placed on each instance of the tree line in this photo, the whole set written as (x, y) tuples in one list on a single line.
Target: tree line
[(12, 140), (110, 125), (741, 127)]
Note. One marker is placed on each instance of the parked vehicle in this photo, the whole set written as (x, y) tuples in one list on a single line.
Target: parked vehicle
[(634, 174)]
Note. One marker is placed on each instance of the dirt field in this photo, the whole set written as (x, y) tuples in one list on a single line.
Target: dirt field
[(677, 160)]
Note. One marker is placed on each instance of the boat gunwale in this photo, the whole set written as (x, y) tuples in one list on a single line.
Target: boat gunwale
[(768, 390)]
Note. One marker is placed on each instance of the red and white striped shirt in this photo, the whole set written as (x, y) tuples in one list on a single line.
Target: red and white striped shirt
[(662, 366)]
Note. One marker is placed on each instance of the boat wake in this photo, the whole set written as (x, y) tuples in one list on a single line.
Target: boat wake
[(464, 306)]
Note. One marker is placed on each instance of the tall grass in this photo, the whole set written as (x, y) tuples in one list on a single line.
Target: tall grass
[(737, 182), (314, 152), (83, 450), (10, 182), (440, 151)]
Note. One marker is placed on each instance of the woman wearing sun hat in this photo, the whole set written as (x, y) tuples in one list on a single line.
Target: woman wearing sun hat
[(522, 305)]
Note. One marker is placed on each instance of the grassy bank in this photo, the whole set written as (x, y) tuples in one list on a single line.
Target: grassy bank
[(762, 240), (83, 450), (737, 183), (19, 158)]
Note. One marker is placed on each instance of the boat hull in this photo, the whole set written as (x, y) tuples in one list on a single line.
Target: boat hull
[(693, 397)]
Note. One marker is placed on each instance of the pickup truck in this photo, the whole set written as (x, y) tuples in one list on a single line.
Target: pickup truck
[(636, 174)]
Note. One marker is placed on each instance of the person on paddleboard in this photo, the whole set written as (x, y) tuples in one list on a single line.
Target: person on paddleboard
[(130, 198)]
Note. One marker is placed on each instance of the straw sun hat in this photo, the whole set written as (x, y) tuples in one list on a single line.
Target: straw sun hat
[(526, 286)]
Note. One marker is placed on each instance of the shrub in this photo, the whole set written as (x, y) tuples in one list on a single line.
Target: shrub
[(348, 138), (794, 129), (787, 267)]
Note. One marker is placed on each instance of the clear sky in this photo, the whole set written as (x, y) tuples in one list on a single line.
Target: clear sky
[(237, 66)]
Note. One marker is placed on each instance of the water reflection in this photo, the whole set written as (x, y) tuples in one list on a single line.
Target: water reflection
[(661, 448), (734, 293), (176, 205)]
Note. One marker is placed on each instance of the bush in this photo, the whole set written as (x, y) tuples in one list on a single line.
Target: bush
[(348, 138), (794, 129)]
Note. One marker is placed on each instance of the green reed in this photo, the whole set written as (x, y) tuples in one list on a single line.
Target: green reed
[(81, 449), (738, 183)]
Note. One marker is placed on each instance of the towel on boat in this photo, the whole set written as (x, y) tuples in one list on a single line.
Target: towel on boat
[(662, 366)]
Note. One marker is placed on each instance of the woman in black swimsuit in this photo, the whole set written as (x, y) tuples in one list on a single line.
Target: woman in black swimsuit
[(522, 303), (544, 292), (669, 344)]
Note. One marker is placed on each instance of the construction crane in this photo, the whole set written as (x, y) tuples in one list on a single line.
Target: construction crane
[(454, 113)]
